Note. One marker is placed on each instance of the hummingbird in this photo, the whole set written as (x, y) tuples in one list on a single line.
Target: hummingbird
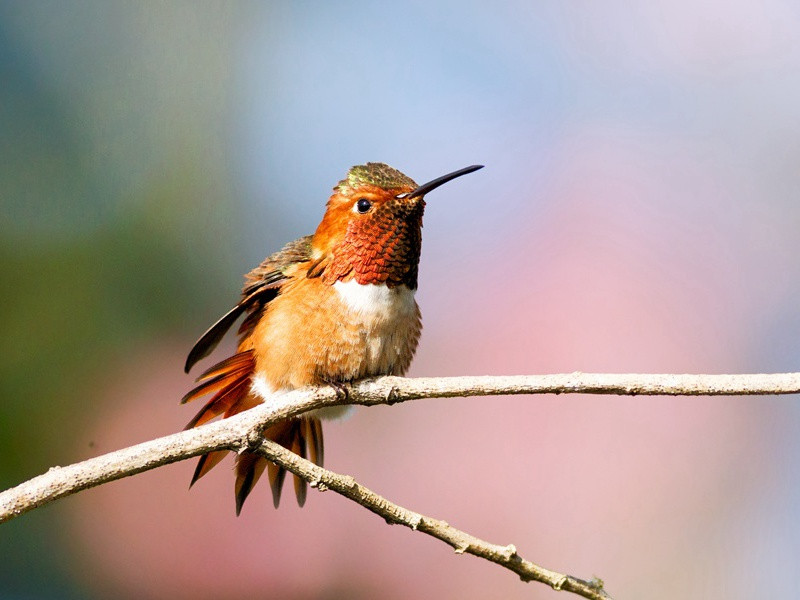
[(327, 309)]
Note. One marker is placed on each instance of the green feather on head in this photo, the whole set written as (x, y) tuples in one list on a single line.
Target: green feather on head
[(378, 174)]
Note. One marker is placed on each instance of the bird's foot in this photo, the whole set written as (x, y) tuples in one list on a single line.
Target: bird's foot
[(342, 392)]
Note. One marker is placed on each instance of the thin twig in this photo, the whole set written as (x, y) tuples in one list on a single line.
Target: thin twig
[(461, 542), (243, 432)]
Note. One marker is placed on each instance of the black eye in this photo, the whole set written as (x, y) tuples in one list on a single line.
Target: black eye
[(363, 205)]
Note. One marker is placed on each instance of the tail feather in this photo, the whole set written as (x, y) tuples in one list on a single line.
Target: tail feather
[(206, 463), (276, 477), (217, 383), (302, 436), (246, 402), (299, 448), (316, 443), (232, 363), (229, 381), (282, 433), (249, 468), (222, 402)]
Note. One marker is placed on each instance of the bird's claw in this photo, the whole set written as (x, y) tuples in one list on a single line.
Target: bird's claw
[(342, 393)]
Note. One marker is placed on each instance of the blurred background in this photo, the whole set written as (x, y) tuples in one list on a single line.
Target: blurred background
[(638, 213)]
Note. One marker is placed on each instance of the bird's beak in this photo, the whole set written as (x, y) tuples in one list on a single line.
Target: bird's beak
[(435, 183)]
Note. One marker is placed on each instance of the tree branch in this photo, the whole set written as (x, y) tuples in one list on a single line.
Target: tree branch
[(242, 432), (462, 542)]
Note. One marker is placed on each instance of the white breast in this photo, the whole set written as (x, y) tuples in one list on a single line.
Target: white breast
[(377, 300)]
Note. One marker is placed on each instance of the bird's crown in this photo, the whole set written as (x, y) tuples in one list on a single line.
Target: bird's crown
[(378, 174)]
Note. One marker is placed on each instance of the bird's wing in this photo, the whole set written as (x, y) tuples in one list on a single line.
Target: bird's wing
[(262, 284)]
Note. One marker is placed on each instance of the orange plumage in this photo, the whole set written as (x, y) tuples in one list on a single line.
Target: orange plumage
[(330, 308)]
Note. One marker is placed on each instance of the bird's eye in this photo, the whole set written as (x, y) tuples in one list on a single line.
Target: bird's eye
[(363, 205)]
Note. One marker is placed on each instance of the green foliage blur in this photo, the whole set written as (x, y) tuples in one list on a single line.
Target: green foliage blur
[(114, 224)]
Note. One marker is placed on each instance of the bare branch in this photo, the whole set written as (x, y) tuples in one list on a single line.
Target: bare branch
[(461, 542), (242, 432)]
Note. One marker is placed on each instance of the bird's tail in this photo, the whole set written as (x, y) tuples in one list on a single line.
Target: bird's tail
[(230, 382), (302, 436)]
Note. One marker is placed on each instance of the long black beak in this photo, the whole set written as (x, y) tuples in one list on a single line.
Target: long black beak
[(435, 183)]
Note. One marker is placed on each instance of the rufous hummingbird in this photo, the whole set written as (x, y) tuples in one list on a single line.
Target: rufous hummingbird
[(328, 308)]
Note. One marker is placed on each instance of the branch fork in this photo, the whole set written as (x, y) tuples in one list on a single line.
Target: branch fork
[(242, 433)]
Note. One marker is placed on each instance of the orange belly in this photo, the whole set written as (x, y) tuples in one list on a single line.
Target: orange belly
[(314, 333)]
